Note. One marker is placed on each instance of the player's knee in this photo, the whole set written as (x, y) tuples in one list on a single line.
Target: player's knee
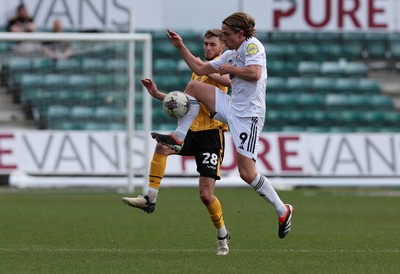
[(206, 197), (246, 176), (191, 88)]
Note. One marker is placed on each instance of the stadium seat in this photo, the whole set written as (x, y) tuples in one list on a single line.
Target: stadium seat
[(293, 128), (278, 68), (308, 52), (286, 100), (311, 101), (117, 65), (392, 117), (356, 69), (367, 129), (382, 101), (274, 52), (299, 84), (393, 37), (276, 84), (191, 35), (304, 37), (292, 117), (394, 50), (120, 81), (373, 118), (328, 38), (104, 81), (195, 47), (118, 126), (31, 95), (367, 85), (352, 51), (317, 129), (282, 37), (341, 129), (95, 126), (331, 51), (183, 67), (337, 101), (323, 85), (165, 66), (164, 49), (53, 81), (168, 83), (309, 68), (376, 50), (78, 81), (17, 64), (291, 51), (390, 129), (346, 85), (350, 117), (58, 111), (29, 80), (42, 64), (353, 37), (82, 112), (109, 113), (332, 69), (69, 65), (359, 101)]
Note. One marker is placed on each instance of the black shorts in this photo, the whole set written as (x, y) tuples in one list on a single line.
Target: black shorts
[(207, 147)]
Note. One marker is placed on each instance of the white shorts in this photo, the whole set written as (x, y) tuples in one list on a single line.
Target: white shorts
[(245, 131)]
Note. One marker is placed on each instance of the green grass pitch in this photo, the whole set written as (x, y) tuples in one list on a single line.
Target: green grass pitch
[(92, 231)]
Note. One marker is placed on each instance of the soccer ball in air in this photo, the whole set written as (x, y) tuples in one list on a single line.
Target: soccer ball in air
[(176, 104)]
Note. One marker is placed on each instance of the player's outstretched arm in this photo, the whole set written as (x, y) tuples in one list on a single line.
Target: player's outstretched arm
[(195, 64), (152, 89)]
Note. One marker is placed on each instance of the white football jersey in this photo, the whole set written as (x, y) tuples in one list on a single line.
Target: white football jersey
[(248, 97)]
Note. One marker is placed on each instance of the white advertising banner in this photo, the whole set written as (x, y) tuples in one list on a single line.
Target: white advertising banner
[(270, 15), (280, 154)]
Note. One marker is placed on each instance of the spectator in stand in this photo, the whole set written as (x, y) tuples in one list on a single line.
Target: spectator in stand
[(59, 49), (21, 22)]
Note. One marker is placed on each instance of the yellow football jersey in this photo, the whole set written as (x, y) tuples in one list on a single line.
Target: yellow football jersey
[(203, 120)]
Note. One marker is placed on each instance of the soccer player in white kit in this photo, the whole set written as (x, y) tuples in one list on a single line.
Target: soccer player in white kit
[(244, 110)]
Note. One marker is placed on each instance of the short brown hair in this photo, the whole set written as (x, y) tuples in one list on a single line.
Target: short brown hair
[(214, 32), (241, 21)]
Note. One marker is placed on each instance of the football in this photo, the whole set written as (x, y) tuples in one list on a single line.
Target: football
[(176, 104)]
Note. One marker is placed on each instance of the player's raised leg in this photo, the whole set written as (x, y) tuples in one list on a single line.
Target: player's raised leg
[(196, 92)]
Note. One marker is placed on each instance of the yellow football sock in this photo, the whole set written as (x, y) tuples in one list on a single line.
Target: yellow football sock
[(215, 211), (157, 169)]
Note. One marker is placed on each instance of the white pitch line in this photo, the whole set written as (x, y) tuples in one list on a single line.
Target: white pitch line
[(116, 250)]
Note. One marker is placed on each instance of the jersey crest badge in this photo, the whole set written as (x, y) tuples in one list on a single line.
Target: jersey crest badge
[(252, 49)]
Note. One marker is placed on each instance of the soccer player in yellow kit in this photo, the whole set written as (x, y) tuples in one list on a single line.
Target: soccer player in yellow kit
[(205, 141)]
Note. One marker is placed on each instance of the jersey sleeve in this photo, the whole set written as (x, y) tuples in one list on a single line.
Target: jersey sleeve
[(255, 53), (216, 63)]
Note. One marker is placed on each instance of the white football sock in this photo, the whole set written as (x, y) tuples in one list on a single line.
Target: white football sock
[(222, 232), (185, 122), (263, 187), (152, 194)]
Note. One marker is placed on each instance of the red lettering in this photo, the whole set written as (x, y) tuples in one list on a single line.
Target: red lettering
[(184, 159), (371, 17), (351, 13), (262, 154), (6, 151), (278, 14), (284, 154), (307, 14)]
